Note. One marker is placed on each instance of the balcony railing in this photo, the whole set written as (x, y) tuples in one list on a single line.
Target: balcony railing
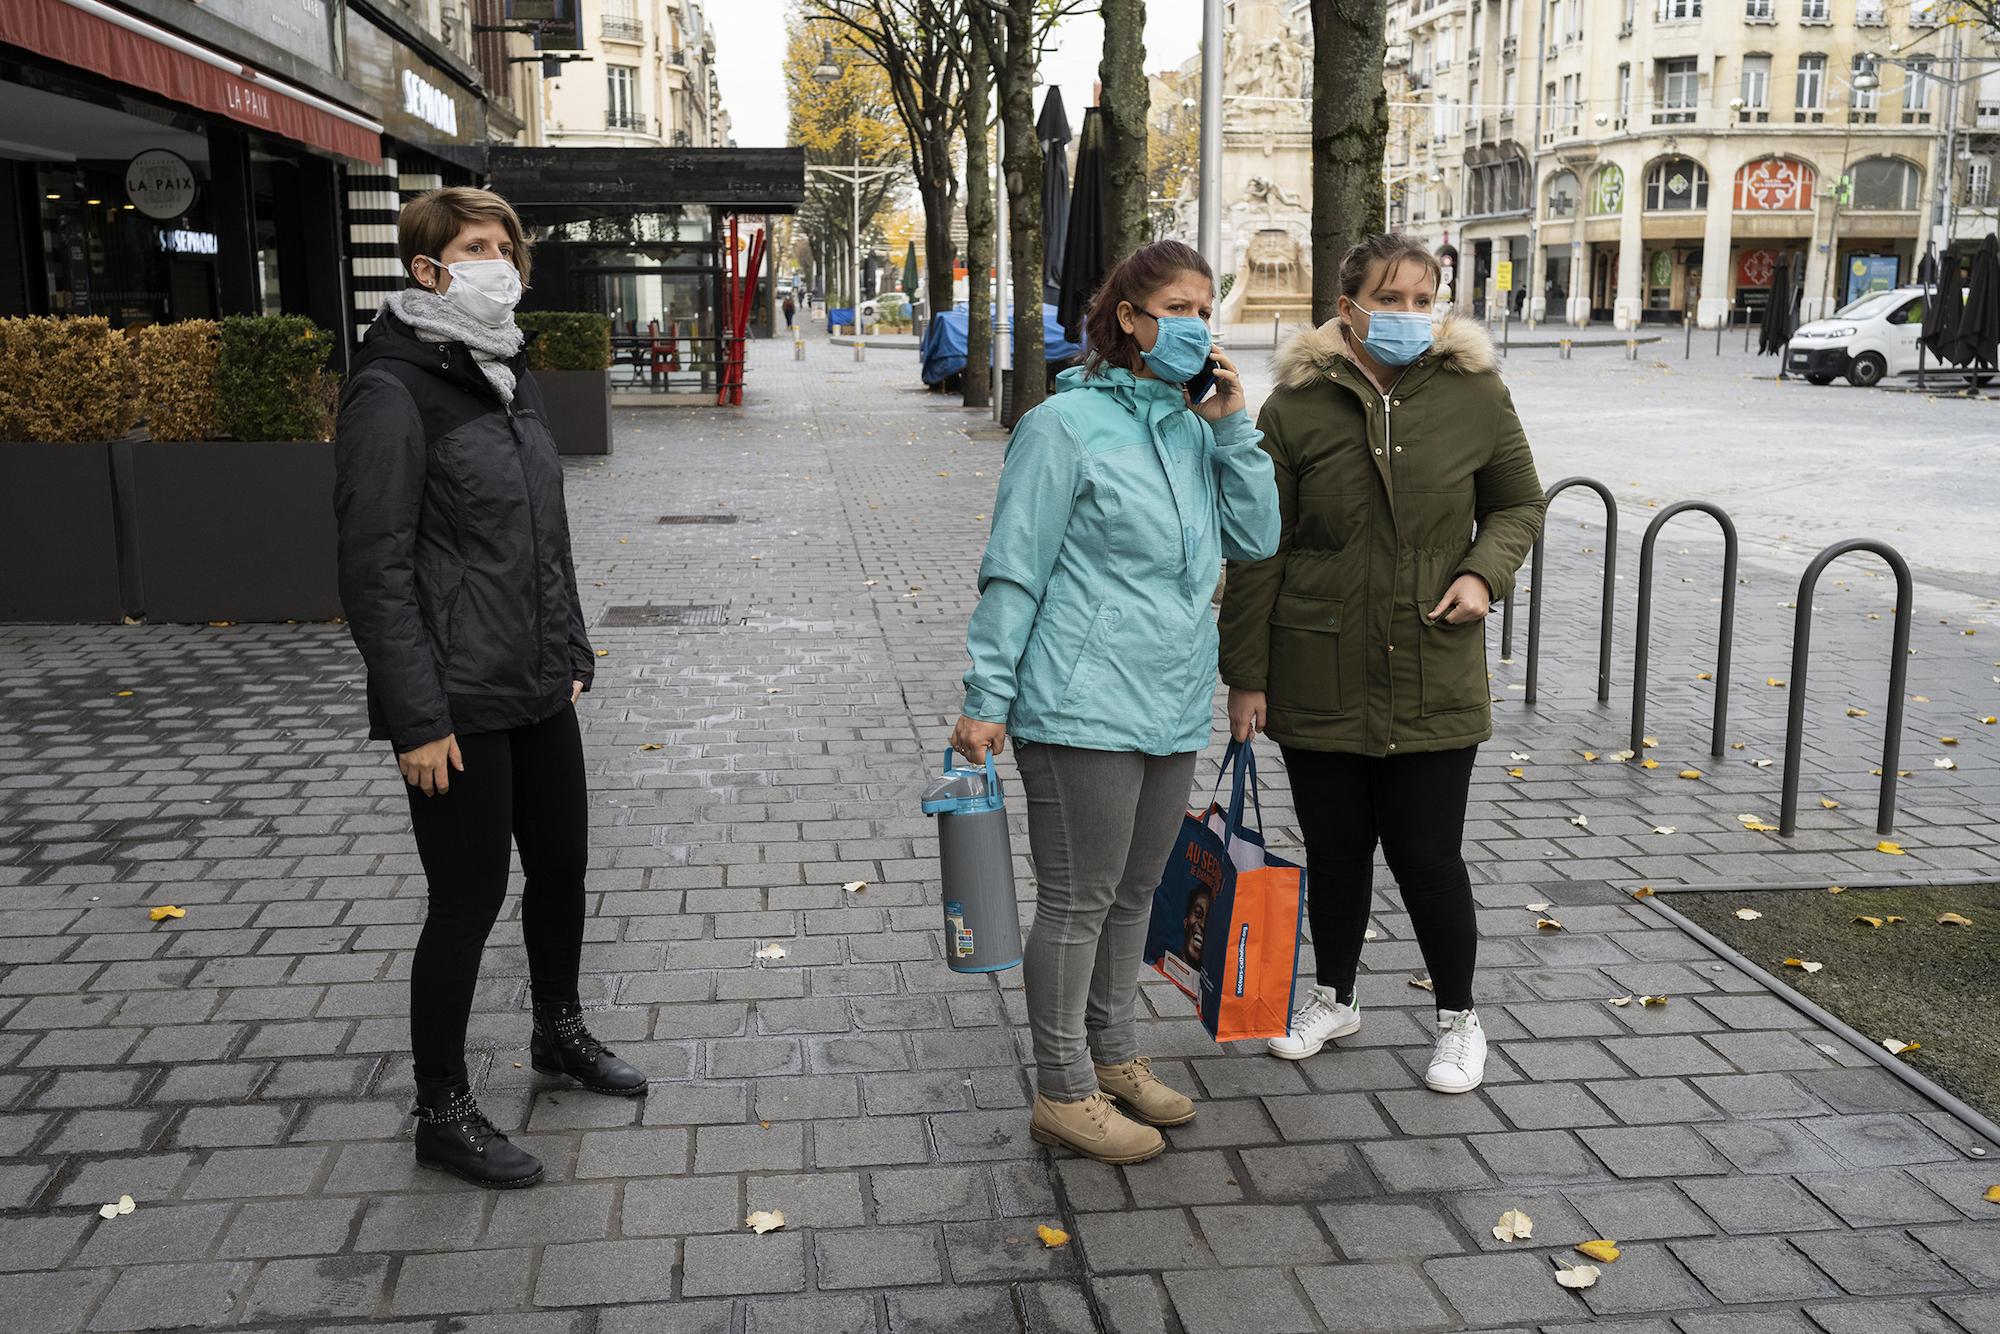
[(618, 28), (677, 56), (614, 119), (1508, 46)]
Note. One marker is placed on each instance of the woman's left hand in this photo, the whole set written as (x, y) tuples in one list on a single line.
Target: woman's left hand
[(1468, 599), (575, 692), (1228, 394)]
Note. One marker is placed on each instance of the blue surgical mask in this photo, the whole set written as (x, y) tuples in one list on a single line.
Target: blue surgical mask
[(1397, 337), (1181, 349)]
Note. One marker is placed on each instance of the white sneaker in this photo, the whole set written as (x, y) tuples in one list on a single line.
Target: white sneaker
[(1314, 1024), (1459, 1062)]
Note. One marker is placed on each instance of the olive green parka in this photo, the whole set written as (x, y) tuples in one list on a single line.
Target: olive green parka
[(1383, 505)]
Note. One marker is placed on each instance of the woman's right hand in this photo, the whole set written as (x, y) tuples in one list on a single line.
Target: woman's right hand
[(973, 739), (1246, 713), (429, 766)]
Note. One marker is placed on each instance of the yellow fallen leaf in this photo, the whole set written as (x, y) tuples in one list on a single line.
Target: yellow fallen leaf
[(1772, 681), (1549, 924), (1650, 741), (1651, 1000), (1857, 713), (765, 1220), (1052, 1237), (1703, 676), (1575, 1276), (1621, 755), (1948, 741), (1423, 982), (1663, 829), (1607, 1251), (855, 886), (1690, 773), (1893, 849), (650, 745), (1801, 963), (1828, 805), (1748, 914), (123, 693), (1514, 773), (604, 653), (1736, 745), (1921, 699), (1761, 764), (1953, 919), (1643, 891), (1590, 755), (1989, 720), (1992, 1195), (1620, 1001), (771, 951), (1514, 1226), (166, 910), (1872, 921), (1760, 827), (1836, 889), (1649, 764), (1895, 919), (1897, 1046)]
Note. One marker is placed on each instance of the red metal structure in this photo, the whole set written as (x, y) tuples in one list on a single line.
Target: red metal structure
[(738, 298)]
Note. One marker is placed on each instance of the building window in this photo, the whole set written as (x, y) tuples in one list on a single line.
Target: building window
[(1572, 103), (1978, 183), (1862, 100), (1986, 104), (1509, 90), (1679, 11), (1773, 185), (623, 84), (1812, 11), (621, 21), (1562, 195), (1679, 92), (1624, 94), (1573, 31), (1758, 11), (1871, 13), (1676, 183), (1756, 85), (1883, 183), (1917, 93), (1607, 190), (1811, 88), (1549, 106)]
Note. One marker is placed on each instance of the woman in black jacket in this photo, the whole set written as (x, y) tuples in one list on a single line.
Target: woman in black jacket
[(456, 577)]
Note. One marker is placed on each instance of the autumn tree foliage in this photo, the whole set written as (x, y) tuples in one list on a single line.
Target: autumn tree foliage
[(851, 119)]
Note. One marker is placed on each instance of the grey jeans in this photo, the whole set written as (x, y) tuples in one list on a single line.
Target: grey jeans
[(1101, 825)]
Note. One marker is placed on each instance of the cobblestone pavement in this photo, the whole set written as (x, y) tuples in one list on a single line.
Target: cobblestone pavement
[(240, 1071)]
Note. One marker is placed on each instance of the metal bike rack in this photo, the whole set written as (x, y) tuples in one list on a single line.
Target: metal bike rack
[(1610, 576), (1892, 737), (1507, 628), (1643, 648)]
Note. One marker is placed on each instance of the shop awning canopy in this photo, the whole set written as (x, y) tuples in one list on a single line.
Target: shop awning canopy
[(117, 45), (551, 185)]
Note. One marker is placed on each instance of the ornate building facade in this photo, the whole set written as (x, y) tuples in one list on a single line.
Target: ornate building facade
[(649, 81)]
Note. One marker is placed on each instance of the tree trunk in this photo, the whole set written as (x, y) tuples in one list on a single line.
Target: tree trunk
[(1023, 163), (1124, 102), (1350, 137), (976, 380), (939, 203)]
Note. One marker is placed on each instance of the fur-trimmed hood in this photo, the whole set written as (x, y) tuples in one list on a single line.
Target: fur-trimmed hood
[(1461, 345)]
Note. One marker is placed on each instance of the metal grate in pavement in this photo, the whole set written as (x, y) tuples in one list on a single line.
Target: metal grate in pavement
[(650, 616), (698, 518)]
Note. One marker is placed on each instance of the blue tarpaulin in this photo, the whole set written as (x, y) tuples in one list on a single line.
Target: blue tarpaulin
[(944, 342), (839, 318)]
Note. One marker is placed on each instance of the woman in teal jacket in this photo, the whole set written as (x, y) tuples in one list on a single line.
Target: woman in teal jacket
[(1094, 644)]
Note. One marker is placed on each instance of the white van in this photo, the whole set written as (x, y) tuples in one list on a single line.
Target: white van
[(1864, 341)]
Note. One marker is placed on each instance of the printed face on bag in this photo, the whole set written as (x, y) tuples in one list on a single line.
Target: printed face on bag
[(1194, 927)]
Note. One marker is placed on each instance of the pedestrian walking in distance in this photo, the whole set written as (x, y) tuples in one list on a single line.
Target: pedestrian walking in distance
[(791, 309), (456, 577), (1094, 645), (1409, 500)]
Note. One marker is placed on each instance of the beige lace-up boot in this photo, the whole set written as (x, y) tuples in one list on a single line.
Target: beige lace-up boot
[(1095, 1129), (1144, 1095)]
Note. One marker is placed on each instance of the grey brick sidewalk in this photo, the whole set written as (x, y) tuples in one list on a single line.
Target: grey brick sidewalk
[(240, 1071)]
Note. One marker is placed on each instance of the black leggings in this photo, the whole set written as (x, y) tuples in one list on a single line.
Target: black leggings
[(1414, 805), (522, 786)]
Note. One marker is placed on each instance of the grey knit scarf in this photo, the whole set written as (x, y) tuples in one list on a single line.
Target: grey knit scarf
[(436, 320)]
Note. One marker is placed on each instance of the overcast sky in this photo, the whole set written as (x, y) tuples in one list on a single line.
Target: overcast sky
[(749, 55)]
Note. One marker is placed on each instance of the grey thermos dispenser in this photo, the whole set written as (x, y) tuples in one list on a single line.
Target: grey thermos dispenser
[(982, 924)]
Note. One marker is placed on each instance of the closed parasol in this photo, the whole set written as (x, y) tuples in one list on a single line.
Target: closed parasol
[(1979, 326), (1947, 308), (1054, 132), (1083, 267)]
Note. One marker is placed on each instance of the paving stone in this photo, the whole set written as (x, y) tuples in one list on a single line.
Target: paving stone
[(1556, 1223), (1875, 1264), (1224, 1303), (1646, 1278), (820, 1199), (1973, 1252), (1883, 1198), (1132, 1304), (1899, 1317), (1499, 1289), (1183, 1178), (1744, 1322), (1769, 1146), (1010, 1249), (1745, 1205), (1151, 1239), (1880, 1141), (1671, 1151), (676, 1318), (1653, 1101), (51, 1303), (39, 1243), (929, 1194), (1536, 1156), (1056, 1308), (329, 1287), (870, 1140), (1638, 1213), (1366, 1231), (289, 1227), (1262, 1234), (595, 1273), (1752, 1269), (743, 1263), (988, 1310), (1548, 1106), (237, 1173), (468, 1281), (1975, 1313), (154, 1235), (1419, 1166), (163, 1296)]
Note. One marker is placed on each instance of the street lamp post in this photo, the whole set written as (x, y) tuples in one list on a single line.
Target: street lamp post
[(1209, 207), (829, 72)]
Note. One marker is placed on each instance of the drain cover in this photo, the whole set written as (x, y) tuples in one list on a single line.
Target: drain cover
[(651, 616), (698, 518)]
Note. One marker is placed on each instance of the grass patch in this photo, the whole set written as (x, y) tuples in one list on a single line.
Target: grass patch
[(1915, 980)]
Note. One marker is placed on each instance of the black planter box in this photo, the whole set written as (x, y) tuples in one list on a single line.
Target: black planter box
[(578, 404), (236, 530), (58, 533)]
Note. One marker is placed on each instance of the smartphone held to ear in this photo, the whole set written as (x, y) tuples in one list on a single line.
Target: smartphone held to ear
[(1204, 380)]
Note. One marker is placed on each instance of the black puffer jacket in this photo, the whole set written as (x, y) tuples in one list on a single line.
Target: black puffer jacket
[(455, 566)]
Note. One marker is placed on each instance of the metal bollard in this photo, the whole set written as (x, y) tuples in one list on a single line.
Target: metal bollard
[(1274, 331), (860, 350), (1688, 320), (1631, 349), (1643, 645), (1718, 335), (1564, 345), (798, 345)]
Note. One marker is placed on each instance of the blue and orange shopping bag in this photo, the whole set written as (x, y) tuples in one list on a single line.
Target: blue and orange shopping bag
[(1225, 925)]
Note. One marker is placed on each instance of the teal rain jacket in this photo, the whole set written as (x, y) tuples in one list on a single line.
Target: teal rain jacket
[(1116, 508)]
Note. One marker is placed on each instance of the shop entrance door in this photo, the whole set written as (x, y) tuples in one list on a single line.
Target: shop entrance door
[(1603, 284)]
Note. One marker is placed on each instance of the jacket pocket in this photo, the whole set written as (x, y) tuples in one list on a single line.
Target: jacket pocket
[(1305, 654), (1451, 657), (1090, 658)]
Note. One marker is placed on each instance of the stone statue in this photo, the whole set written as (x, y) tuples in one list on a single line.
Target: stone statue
[(1267, 192)]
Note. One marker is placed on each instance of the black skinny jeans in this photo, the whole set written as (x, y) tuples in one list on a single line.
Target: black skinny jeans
[(523, 786), (1414, 805)]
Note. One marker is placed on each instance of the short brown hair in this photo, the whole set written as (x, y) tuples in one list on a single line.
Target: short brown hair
[(1388, 249), (1138, 276), (433, 220)]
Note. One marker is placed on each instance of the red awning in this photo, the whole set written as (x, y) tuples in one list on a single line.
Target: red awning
[(112, 43)]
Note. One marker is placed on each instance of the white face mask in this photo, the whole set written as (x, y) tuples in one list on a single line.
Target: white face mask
[(486, 289)]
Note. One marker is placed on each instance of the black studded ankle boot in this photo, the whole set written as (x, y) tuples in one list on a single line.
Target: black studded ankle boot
[(454, 1136), (563, 1046)]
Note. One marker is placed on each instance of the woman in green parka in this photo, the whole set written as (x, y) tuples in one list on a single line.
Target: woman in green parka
[(1408, 500)]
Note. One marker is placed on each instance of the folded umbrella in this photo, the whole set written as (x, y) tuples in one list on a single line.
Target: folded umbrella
[(1053, 130), (1084, 266), (1978, 339), (1947, 308)]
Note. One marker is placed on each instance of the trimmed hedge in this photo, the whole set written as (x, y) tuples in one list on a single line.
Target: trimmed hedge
[(570, 340), (65, 378), (177, 365), (271, 379)]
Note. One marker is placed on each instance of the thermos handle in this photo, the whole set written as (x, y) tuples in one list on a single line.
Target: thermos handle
[(992, 777)]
